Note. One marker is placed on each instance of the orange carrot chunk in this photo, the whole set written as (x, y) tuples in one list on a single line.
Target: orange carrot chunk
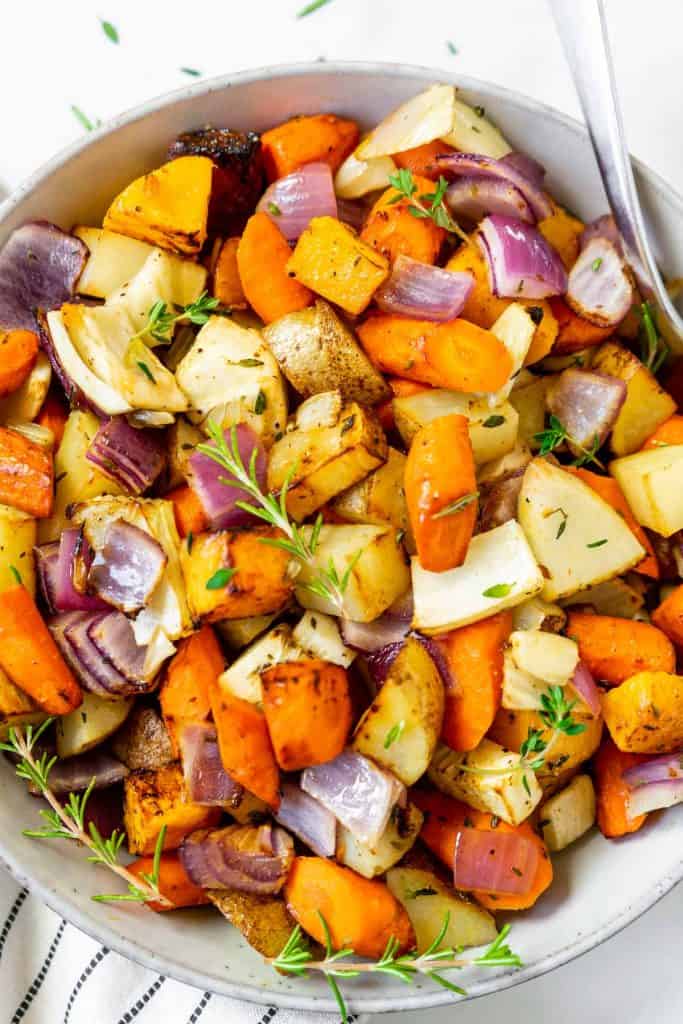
[(475, 658), (30, 657), (611, 791), (188, 511), (262, 256), (227, 286), (615, 649), (457, 355), (174, 882), (18, 351), (385, 410), (668, 616), (54, 415), (360, 914), (320, 138), (669, 432), (440, 486), (421, 159), (391, 228), (308, 710), (574, 332), (244, 744), (184, 694), (26, 474)]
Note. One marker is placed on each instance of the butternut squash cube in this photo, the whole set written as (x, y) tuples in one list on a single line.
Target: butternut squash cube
[(154, 799)]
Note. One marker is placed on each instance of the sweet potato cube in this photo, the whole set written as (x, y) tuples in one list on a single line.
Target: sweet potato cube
[(153, 799)]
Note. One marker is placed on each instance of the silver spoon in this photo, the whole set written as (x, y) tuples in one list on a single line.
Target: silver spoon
[(583, 30)]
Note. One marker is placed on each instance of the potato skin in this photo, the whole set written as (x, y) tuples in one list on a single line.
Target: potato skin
[(645, 714), (263, 920), (143, 740)]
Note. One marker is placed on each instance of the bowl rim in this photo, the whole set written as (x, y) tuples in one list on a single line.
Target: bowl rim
[(106, 934)]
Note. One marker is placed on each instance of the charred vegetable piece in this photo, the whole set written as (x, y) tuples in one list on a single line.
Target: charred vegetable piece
[(157, 798)]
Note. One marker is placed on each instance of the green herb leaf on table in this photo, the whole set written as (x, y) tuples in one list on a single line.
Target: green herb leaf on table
[(84, 120), (192, 72), (315, 5), (110, 31)]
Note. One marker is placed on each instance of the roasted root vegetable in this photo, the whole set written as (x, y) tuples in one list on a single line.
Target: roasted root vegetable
[(669, 432), (360, 914), (244, 744), (168, 207), (232, 574), (568, 815), (190, 517), (243, 677), (17, 538), (401, 728), (93, 721), (174, 882), (668, 616), (613, 649), (143, 741), (227, 284), (563, 232), (317, 352), (16, 707), (474, 655), (420, 160), (398, 838), (184, 693), (153, 799), (574, 333), (647, 404), (18, 353), (456, 355), (651, 483), (308, 712), (310, 139), (263, 920), (333, 454), (644, 714), (441, 492), (31, 398), (262, 261), (392, 230), (332, 261), (26, 474), (612, 792)]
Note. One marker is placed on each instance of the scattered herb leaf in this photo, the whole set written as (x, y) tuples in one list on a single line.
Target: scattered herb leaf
[(456, 506), (597, 543), (394, 733), (315, 5), (220, 579), (498, 590), (192, 72), (110, 31), (494, 421)]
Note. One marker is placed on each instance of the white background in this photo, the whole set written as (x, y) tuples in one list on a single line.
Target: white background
[(55, 54)]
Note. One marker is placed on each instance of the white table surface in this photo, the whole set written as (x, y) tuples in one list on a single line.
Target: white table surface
[(55, 55)]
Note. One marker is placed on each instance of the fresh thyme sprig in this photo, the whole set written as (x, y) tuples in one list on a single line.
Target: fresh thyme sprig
[(556, 434), (67, 820), (161, 320), (429, 205), (296, 958), (300, 542), (653, 349)]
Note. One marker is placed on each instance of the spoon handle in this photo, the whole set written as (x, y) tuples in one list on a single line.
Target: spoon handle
[(583, 30)]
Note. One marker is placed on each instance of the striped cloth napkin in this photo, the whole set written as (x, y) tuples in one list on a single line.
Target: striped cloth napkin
[(51, 973)]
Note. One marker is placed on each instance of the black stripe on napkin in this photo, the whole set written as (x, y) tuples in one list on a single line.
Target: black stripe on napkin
[(35, 986), (97, 959), (11, 918), (268, 1015), (199, 1008), (142, 1002)]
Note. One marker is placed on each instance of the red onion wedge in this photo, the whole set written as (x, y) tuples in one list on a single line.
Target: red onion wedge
[(603, 227), (379, 662), (248, 858), (526, 166), (583, 684), (459, 165), (307, 819), (498, 862), (498, 501), (374, 636), (521, 263), (359, 794), (586, 403), (472, 198), (656, 769), (39, 267), (599, 287), (134, 458), (206, 780), (654, 797), (74, 774), (66, 597), (58, 626), (47, 560), (292, 202), (424, 292), (114, 638), (128, 567), (352, 212), (218, 499), (403, 607)]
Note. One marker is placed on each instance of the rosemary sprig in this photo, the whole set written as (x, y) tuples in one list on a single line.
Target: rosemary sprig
[(429, 205), (556, 434), (653, 349), (67, 820), (161, 320), (296, 958), (300, 542)]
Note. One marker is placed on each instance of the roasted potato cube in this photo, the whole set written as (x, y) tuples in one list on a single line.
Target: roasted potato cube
[(90, 724), (318, 636), (371, 555), (539, 614), (644, 715), (243, 677), (332, 261), (168, 207), (613, 597), (528, 400), (18, 533), (428, 901), (113, 259), (239, 176), (238, 633), (327, 459), (401, 728), (568, 814), (263, 920), (318, 352), (257, 582), (545, 655), (182, 439), (652, 482), (647, 405), (493, 432), (143, 740), (511, 727), (380, 498), (511, 795), (401, 832), (153, 799)]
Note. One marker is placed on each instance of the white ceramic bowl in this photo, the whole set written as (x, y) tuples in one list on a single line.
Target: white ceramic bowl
[(600, 886)]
